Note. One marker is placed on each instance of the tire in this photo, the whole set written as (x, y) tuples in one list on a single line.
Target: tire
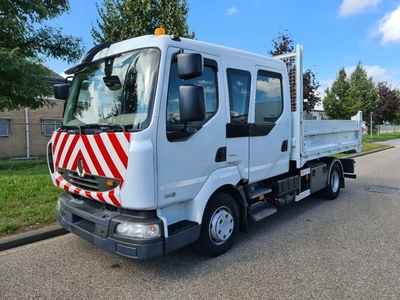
[(331, 191), (220, 225)]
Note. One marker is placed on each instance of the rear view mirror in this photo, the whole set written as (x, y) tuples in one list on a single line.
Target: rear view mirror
[(191, 103), (61, 91), (190, 65), (112, 82)]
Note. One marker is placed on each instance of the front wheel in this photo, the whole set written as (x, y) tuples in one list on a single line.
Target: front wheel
[(331, 191), (220, 225)]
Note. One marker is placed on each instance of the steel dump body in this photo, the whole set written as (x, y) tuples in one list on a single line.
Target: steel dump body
[(327, 137), (313, 139)]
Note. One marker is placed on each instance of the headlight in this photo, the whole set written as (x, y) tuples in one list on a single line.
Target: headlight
[(133, 230)]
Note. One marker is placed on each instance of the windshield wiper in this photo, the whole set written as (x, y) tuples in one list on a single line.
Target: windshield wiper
[(105, 127), (113, 127), (94, 128), (70, 129)]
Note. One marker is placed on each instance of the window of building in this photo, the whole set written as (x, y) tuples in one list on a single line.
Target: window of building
[(269, 100), (49, 125), (4, 127), (239, 95)]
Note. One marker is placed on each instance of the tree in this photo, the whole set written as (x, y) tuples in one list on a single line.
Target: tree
[(25, 43), (362, 95), (337, 98), (310, 91), (123, 19), (284, 44), (388, 105), (350, 95)]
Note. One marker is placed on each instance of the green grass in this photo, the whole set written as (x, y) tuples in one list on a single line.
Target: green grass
[(381, 137), (369, 145), (27, 196)]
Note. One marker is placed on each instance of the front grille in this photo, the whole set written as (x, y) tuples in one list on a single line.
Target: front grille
[(89, 182), (87, 226), (91, 207), (88, 217)]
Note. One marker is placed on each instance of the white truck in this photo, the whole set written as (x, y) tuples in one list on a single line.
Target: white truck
[(166, 141)]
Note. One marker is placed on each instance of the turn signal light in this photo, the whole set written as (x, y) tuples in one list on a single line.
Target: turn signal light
[(110, 183)]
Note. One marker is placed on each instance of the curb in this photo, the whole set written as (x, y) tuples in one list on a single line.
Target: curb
[(33, 236), (369, 152)]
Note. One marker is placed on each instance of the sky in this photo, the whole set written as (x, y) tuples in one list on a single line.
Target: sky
[(335, 34)]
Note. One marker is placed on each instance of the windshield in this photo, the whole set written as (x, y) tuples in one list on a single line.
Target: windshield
[(117, 90)]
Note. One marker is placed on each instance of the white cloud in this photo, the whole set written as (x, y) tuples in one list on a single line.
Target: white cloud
[(352, 7), (379, 74), (231, 11), (324, 84), (389, 27)]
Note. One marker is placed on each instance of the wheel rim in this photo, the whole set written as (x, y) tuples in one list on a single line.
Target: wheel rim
[(335, 181), (221, 225)]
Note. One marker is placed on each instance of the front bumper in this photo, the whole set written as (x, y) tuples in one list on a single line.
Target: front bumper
[(93, 221)]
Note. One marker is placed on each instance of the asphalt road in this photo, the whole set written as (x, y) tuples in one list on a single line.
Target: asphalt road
[(315, 249), (395, 142)]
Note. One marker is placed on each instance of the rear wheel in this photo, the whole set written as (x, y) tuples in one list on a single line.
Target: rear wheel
[(331, 191), (220, 225)]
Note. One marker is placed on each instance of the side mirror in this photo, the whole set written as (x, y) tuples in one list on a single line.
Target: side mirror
[(191, 103), (61, 91), (190, 65)]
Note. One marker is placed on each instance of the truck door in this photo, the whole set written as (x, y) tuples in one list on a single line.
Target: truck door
[(186, 157), (237, 128), (269, 127)]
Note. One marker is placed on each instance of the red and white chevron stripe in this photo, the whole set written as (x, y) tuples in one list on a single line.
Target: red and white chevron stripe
[(104, 154)]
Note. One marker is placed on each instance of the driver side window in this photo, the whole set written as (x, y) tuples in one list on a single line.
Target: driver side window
[(208, 80)]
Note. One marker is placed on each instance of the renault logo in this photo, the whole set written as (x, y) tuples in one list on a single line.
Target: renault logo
[(81, 171)]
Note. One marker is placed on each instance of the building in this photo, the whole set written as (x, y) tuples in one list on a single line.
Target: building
[(24, 133), (318, 112)]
